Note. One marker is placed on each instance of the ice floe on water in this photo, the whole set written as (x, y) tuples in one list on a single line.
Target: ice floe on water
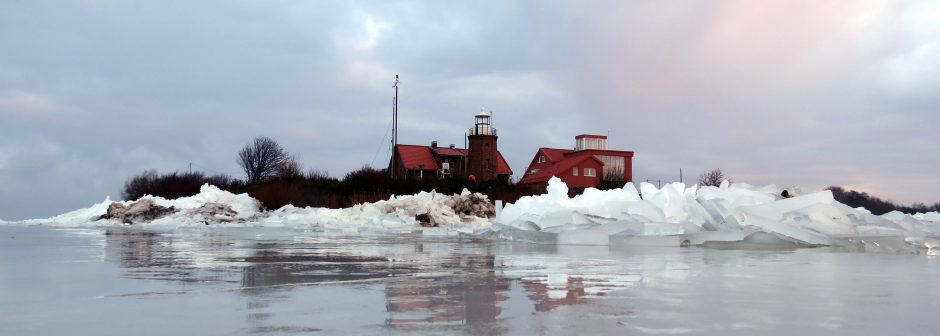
[(732, 215)]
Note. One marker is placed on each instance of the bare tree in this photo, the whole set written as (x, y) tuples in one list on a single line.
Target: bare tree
[(712, 177), (290, 170), (261, 159), (139, 185)]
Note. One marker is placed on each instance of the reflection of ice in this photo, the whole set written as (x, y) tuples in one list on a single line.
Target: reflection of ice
[(554, 281)]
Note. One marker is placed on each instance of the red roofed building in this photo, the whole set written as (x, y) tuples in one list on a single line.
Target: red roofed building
[(481, 159), (585, 166)]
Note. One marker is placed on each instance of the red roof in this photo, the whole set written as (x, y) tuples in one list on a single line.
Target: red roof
[(560, 166), (447, 151), (555, 154), (503, 166), (413, 157)]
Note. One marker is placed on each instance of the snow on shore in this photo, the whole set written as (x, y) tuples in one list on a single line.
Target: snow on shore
[(676, 214), (243, 204), (396, 214)]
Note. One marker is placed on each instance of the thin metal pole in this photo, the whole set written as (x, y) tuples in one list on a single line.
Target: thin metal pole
[(395, 127)]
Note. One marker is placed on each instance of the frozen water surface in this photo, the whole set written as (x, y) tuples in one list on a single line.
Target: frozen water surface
[(281, 281)]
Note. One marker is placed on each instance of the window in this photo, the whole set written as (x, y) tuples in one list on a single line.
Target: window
[(575, 171), (541, 159), (590, 172)]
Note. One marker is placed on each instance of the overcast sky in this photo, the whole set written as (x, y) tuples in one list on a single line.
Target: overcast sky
[(809, 93)]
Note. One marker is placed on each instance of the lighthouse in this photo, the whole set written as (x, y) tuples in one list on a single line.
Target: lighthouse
[(483, 159)]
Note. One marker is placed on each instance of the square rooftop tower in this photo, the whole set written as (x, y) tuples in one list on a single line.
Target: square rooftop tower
[(590, 141)]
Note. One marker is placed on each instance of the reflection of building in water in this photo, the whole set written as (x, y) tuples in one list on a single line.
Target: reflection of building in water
[(551, 290), (546, 298), (455, 299), (552, 282)]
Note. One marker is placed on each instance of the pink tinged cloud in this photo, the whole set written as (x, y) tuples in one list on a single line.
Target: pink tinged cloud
[(29, 107)]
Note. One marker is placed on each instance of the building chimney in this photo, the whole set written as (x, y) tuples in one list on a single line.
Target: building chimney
[(433, 144)]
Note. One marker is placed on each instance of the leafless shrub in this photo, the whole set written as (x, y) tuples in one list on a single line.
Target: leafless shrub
[(612, 179), (712, 177)]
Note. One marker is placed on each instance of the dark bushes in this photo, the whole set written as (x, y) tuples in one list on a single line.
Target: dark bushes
[(277, 193), (612, 180), (365, 179), (315, 188), (174, 185), (876, 205)]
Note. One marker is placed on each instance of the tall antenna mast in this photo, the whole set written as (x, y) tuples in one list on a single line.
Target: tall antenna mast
[(394, 166)]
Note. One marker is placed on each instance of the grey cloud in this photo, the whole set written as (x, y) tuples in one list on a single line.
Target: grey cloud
[(810, 93)]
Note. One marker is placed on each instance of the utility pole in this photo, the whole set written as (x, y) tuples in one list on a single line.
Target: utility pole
[(680, 175), (394, 166)]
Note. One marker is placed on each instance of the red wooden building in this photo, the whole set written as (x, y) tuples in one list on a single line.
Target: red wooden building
[(481, 159), (584, 166)]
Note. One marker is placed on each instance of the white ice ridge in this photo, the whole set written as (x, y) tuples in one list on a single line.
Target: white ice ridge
[(695, 215), (669, 215), (395, 214), (245, 206)]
